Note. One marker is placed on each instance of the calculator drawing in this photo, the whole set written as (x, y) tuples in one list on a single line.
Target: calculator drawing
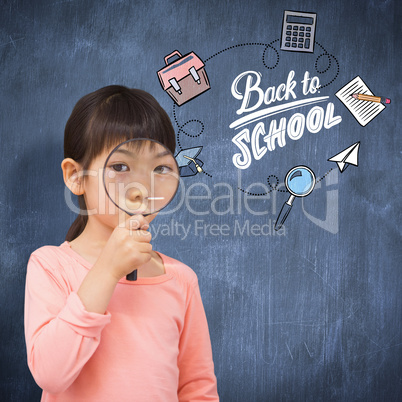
[(298, 31)]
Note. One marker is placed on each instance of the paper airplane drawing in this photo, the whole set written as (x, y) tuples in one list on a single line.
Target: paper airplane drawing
[(348, 156)]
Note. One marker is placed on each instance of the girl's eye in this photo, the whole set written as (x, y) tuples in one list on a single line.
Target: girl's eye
[(162, 169), (120, 167)]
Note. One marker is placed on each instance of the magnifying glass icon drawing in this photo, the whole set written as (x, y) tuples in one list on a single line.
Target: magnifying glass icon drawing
[(299, 182)]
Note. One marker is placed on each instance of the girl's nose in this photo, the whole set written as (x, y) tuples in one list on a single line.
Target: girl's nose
[(135, 195)]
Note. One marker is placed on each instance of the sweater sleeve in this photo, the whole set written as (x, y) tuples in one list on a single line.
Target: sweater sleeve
[(60, 334), (197, 381)]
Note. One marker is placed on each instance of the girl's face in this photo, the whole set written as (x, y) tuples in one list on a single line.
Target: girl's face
[(139, 179)]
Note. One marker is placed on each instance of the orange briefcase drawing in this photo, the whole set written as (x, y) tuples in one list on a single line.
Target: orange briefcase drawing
[(185, 78)]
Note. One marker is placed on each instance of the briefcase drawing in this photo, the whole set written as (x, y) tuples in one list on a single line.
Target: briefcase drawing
[(185, 78)]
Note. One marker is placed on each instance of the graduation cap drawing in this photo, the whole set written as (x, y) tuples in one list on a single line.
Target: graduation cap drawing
[(189, 164)]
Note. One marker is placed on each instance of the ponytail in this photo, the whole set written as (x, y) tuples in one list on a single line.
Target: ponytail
[(80, 222)]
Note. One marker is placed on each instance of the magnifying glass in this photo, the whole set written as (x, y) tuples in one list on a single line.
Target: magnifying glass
[(300, 182), (140, 176)]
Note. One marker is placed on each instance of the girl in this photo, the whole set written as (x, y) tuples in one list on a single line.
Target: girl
[(92, 335)]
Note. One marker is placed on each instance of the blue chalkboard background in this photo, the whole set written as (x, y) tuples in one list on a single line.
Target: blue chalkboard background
[(309, 313)]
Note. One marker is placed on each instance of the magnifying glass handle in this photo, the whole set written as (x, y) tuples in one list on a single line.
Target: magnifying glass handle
[(283, 215), (132, 276)]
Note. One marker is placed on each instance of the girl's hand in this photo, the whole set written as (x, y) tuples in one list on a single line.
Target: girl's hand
[(127, 248)]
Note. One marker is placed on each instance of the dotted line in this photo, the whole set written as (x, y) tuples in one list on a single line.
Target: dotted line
[(329, 63), (330, 56), (234, 47), (174, 115), (181, 128), (273, 187), (277, 55), (192, 136), (326, 174), (255, 194), (269, 45), (178, 125)]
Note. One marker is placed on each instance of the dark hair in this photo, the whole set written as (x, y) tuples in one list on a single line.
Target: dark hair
[(105, 118)]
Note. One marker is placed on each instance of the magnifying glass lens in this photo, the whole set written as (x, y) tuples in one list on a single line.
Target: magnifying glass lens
[(300, 181), (141, 176)]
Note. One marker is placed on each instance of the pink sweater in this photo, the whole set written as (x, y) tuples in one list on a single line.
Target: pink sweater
[(151, 345)]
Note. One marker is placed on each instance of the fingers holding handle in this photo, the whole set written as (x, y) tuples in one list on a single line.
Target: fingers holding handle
[(137, 223)]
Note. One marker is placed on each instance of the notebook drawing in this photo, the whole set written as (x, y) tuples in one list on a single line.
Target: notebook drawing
[(362, 111)]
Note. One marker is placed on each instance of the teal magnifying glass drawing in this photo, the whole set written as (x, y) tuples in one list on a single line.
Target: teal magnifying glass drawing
[(299, 182)]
